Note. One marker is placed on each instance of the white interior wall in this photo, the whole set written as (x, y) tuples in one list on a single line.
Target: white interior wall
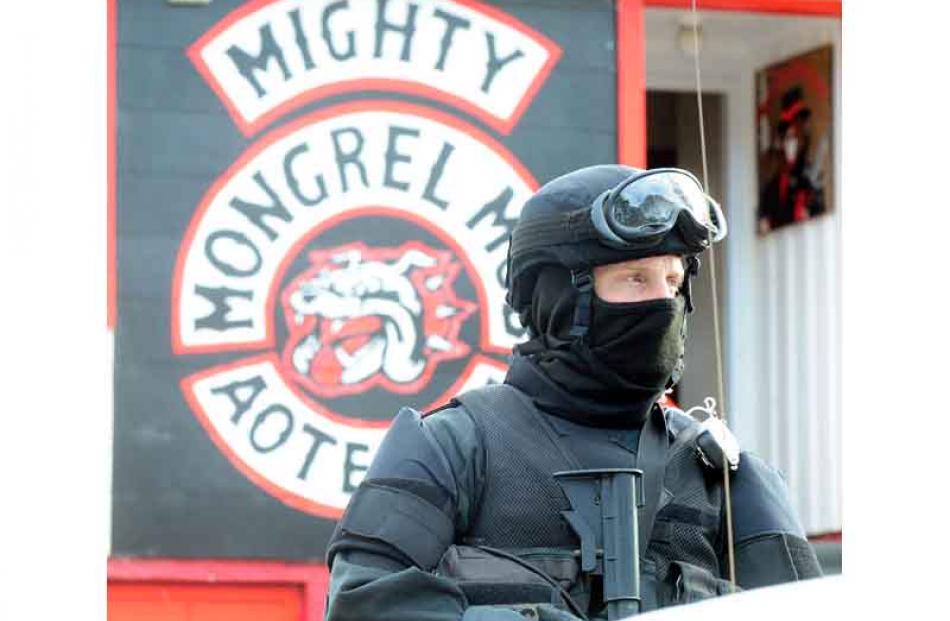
[(782, 304)]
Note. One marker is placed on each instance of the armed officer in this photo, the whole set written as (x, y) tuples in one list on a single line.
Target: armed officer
[(460, 515)]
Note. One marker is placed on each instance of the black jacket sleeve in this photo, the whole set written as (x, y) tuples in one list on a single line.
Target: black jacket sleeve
[(417, 493), (770, 543)]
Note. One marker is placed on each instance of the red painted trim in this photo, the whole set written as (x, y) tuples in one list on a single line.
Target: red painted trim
[(178, 347), (313, 578), (111, 51), (826, 537), (631, 85), (503, 125), (828, 8)]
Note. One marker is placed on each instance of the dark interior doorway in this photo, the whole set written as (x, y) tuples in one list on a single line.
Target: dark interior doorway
[(673, 140)]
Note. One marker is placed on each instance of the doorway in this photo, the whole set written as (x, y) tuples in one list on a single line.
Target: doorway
[(673, 140)]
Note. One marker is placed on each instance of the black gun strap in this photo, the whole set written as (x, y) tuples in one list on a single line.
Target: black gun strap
[(652, 453)]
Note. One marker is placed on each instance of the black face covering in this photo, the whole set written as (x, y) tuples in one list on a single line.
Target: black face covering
[(615, 375), (642, 343)]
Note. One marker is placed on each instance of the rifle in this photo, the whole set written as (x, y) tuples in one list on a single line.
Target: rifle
[(604, 506)]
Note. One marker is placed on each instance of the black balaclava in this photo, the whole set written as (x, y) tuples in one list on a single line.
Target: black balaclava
[(615, 374)]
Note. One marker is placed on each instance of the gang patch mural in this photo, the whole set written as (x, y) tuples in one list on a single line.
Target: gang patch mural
[(355, 258), (361, 247), (313, 201)]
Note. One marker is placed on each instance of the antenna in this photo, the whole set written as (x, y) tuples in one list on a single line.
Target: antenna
[(720, 392)]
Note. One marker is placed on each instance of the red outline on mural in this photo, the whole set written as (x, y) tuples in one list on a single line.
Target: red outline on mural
[(287, 497), (830, 8), (312, 578), (631, 84), (380, 105), (111, 129), (499, 124)]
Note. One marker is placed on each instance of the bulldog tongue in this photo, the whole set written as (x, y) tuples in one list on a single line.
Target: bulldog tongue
[(350, 335), (355, 343), (357, 326), (353, 334), (325, 368)]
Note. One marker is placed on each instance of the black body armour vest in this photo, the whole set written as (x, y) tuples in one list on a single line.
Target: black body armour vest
[(518, 509)]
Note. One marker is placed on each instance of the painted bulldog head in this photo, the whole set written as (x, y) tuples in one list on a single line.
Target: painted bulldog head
[(361, 317)]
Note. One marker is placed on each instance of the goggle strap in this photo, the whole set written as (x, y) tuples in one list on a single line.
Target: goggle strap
[(583, 282)]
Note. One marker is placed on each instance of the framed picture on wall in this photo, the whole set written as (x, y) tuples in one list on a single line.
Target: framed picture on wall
[(794, 130)]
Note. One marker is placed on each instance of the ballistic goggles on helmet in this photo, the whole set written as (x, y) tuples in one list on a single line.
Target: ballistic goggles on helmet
[(636, 215), (644, 208)]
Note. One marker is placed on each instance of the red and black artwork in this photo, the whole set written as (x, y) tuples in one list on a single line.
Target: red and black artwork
[(794, 138)]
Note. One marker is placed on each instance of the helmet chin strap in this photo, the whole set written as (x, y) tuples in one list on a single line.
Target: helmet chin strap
[(583, 282)]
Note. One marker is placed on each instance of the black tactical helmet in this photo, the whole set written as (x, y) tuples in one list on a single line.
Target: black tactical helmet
[(607, 214)]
